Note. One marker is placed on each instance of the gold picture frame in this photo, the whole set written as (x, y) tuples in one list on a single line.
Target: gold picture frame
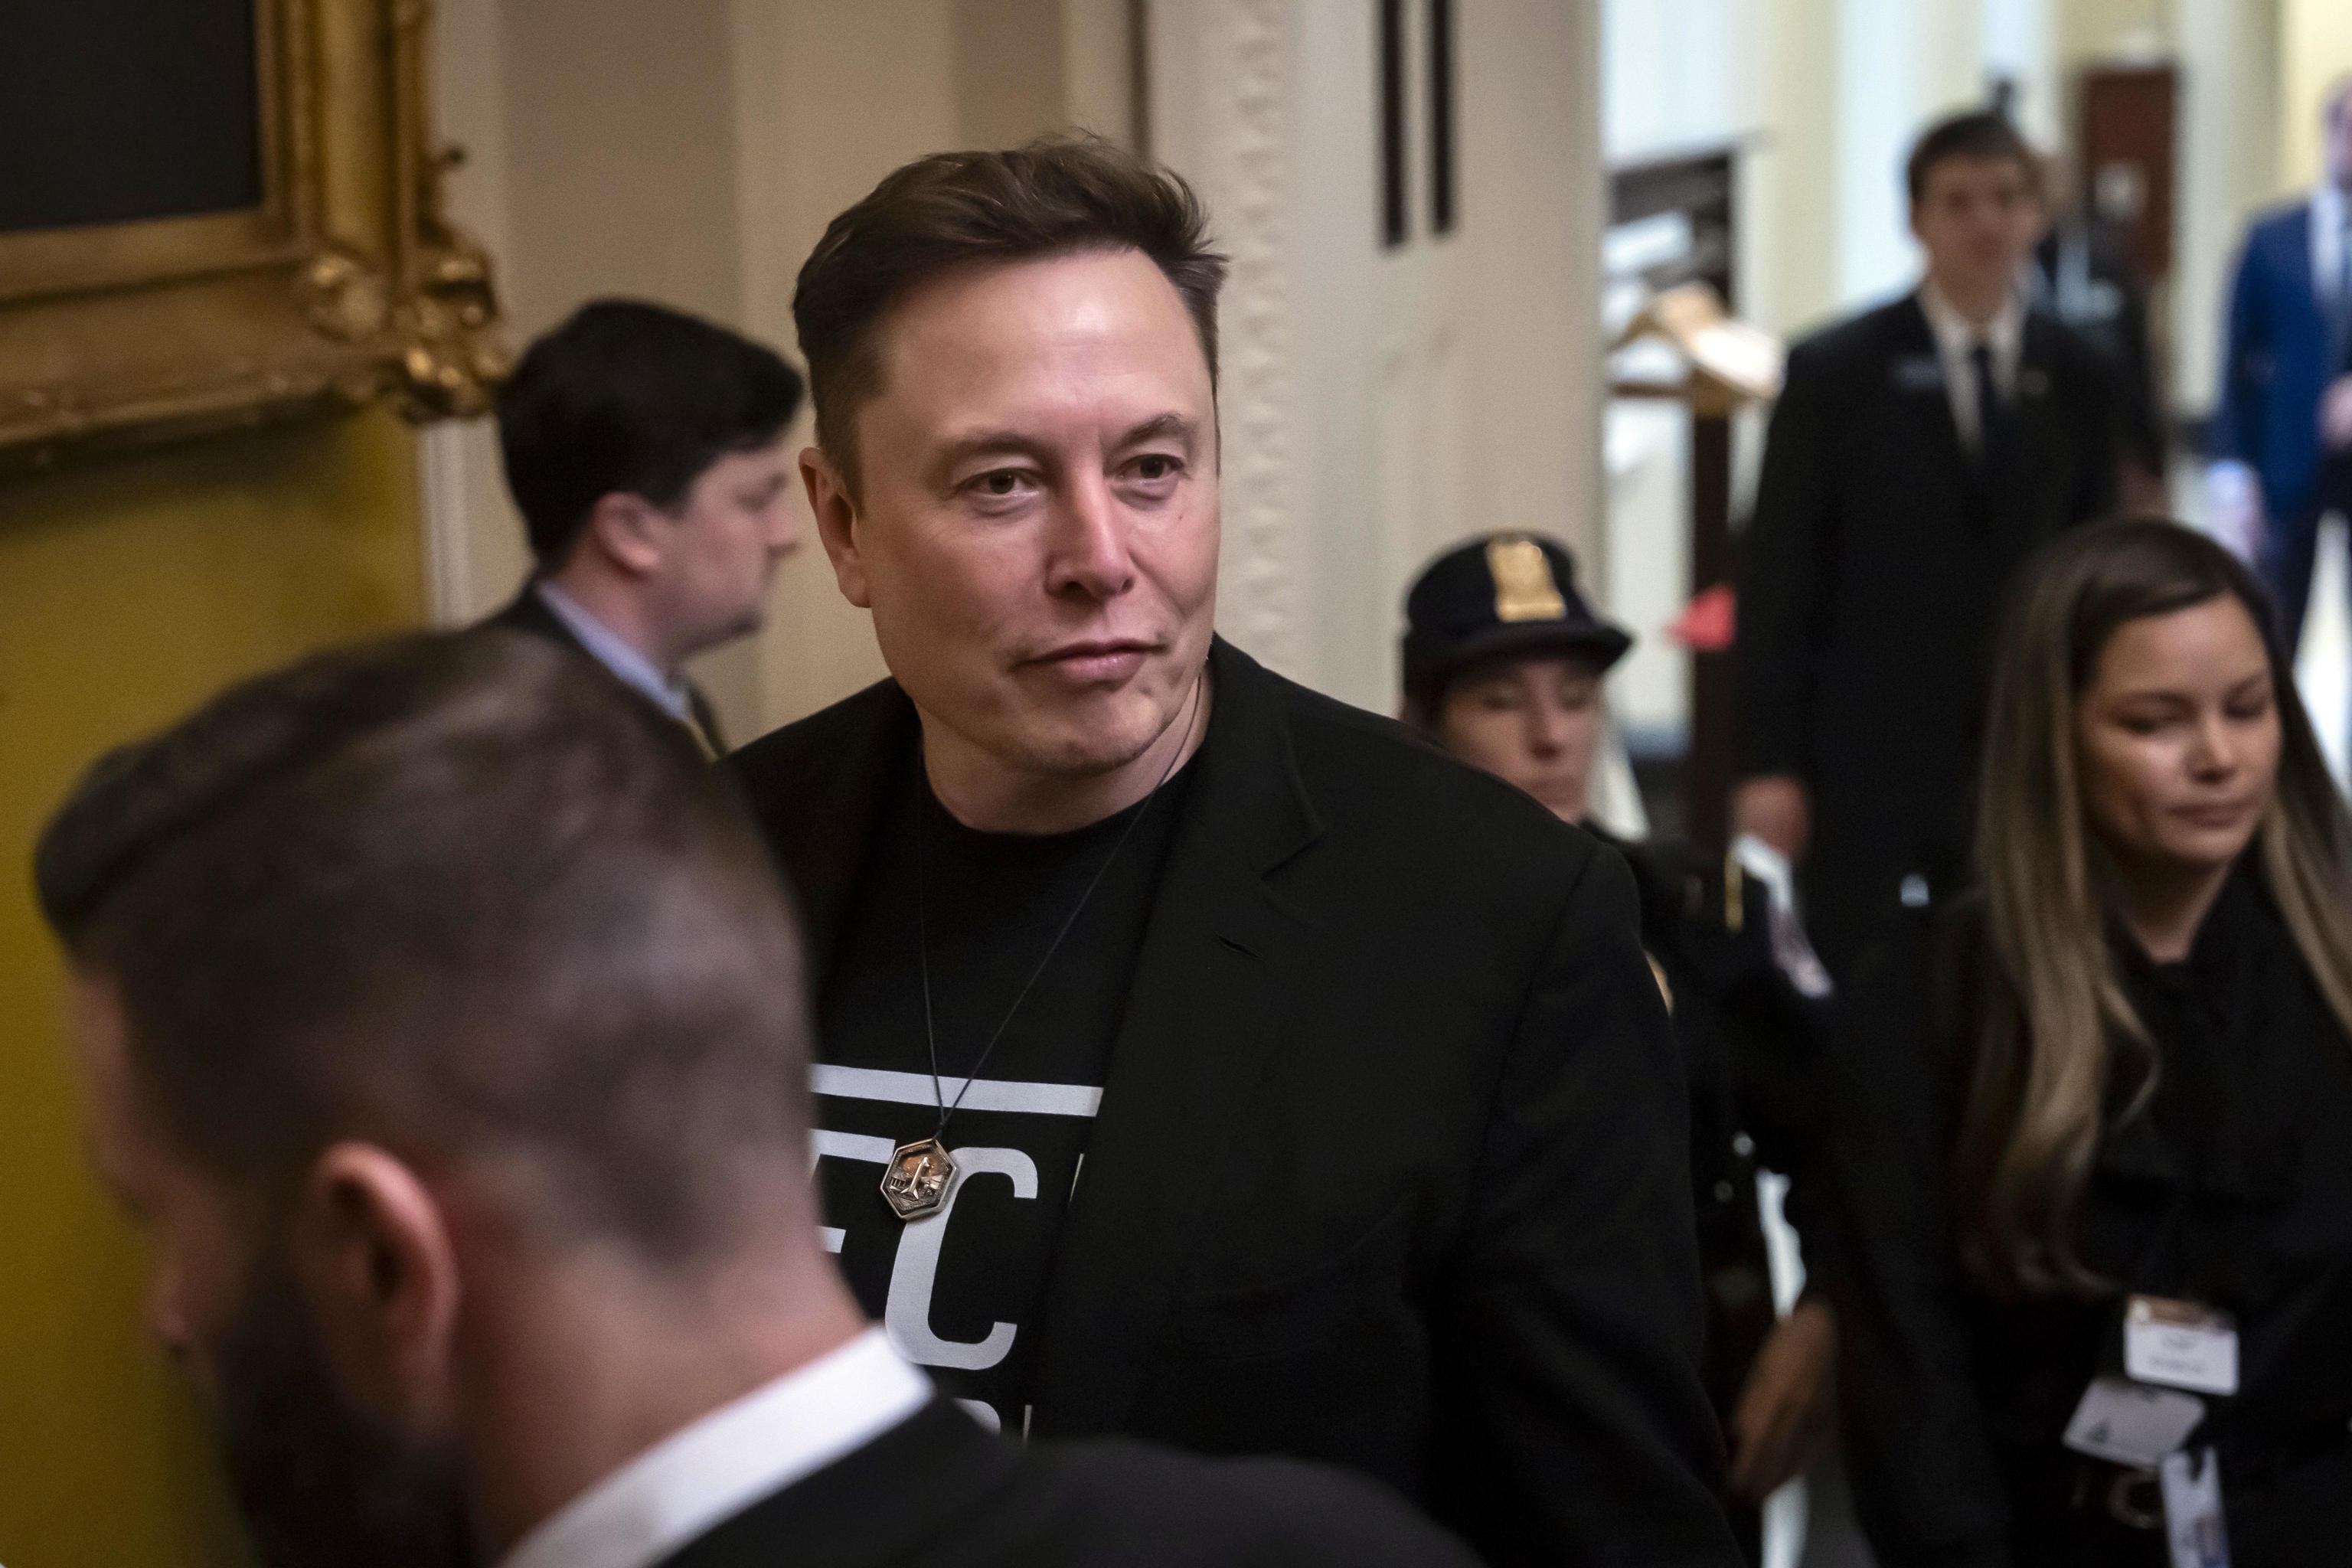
[(346, 286)]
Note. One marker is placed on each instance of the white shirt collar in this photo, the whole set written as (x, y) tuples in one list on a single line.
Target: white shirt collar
[(1956, 334), (704, 1474), (2328, 240), (615, 653), (1957, 338)]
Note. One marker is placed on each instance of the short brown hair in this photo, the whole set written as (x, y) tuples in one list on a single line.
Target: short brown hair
[(461, 895), (1979, 134), (1052, 197)]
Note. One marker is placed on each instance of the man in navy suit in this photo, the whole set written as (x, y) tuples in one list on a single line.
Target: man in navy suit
[(2284, 431)]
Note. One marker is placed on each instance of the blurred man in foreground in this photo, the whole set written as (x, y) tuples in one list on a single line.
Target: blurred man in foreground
[(644, 449), (439, 1019)]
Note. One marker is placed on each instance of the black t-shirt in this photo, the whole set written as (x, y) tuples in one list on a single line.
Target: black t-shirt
[(959, 1290)]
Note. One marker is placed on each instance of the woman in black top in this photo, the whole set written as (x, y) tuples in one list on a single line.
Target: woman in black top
[(2121, 1069)]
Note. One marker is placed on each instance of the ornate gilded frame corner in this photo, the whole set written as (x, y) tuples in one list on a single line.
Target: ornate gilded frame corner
[(347, 286)]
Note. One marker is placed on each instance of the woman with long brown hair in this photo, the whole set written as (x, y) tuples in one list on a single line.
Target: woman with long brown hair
[(2095, 1118)]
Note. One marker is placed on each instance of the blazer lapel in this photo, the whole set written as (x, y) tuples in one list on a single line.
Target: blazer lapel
[(820, 813), (1921, 402), (1221, 953), (2041, 433)]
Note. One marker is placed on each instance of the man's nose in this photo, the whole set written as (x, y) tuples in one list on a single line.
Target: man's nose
[(1088, 543), (1546, 730)]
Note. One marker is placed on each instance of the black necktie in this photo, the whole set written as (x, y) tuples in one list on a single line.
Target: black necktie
[(1992, 414)]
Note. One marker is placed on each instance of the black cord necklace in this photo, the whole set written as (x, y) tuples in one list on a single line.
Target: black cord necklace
[(920, 1173)]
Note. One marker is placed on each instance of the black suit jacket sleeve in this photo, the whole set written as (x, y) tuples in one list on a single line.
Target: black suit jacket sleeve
[(1924, 1477), (1566, 1430), (1783, 573)]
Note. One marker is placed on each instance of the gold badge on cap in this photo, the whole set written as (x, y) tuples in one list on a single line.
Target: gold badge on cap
[(1524, 588)]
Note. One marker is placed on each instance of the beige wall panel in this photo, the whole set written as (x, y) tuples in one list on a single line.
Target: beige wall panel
[(1533, 209), (828, 99), (1098, 66), (1010, 71)]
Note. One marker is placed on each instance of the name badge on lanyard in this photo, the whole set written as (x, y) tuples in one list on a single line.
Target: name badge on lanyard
[(1917, 373), (2179, 1344), (2126, 1424)]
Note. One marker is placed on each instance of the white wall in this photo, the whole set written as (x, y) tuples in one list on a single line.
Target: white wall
[(1378, 405)]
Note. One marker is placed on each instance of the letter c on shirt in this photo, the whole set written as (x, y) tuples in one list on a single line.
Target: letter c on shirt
[(907, 1315)]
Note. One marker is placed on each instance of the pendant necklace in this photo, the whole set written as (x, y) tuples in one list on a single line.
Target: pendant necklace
[(916, 1181)]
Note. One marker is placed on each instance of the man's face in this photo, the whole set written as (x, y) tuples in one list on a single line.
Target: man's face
[(1035, 522), (2335, 138), (1977, 218), (318, 1480), (722, 544)]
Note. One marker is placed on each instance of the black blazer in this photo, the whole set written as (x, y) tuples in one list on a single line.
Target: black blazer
[(1870, 579), (1391, 1165), (937, 1492), (529, 612)]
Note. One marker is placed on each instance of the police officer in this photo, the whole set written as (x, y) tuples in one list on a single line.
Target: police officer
[(1503, 667)]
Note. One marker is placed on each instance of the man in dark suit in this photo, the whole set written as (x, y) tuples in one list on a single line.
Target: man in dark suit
[(1204, 1060), (439, 1014), (644, 450), (1919, 452), (2286, 377)]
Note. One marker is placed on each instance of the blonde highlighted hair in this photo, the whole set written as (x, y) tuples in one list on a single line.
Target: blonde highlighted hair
[(2054, 1017)]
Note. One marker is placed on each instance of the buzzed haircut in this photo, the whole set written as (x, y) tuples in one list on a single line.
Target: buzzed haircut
[(1058, 196), (1979, 134), (628, 398), (462, 897)]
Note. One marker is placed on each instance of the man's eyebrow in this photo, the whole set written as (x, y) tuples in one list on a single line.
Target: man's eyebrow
[(1015, 443), (1157, 427), (988, 442)]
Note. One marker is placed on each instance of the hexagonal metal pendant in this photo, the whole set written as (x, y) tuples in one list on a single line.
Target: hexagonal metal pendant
[(917, 1180)]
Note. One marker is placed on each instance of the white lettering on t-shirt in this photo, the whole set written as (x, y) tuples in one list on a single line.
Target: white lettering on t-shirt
[(914, 1270)]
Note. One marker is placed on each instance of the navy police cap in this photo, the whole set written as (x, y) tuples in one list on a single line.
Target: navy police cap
[(1503, 594)]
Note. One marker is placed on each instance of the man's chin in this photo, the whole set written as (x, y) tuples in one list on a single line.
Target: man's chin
[(1090, 739)]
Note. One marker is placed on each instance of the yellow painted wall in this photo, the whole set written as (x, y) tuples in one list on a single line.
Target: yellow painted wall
[(2315, 47), (128, 593)]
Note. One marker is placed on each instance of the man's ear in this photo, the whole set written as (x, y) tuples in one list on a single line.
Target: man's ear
[(374, 1255), (628, 530), (835, 511)]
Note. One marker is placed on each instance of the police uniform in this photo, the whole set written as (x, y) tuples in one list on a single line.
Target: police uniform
[(1746, 1034)]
